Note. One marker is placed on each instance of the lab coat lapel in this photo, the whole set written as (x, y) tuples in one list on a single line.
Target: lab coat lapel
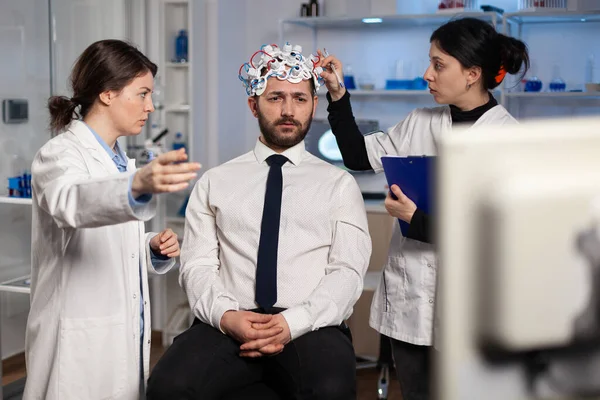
[(89, 141)]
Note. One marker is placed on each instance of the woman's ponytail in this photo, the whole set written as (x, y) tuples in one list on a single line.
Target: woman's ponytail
[(514, 55), (62, 111)]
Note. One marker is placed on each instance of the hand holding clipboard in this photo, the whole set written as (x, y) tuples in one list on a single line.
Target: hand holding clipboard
[(399, 205), (413, 175)]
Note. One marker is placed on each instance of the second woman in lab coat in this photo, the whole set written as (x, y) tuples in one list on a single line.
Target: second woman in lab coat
[(88, 332), (468, 58)]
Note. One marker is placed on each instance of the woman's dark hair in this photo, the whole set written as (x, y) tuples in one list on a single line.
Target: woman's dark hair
[(475, 43), (104, 65)]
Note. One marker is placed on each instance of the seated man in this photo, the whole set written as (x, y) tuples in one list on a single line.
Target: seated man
[(275, 249)]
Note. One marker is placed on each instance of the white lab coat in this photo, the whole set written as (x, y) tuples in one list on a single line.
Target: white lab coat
[(83, 331), (403, 303)]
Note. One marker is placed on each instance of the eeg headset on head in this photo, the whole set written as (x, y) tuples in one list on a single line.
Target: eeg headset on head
[(285, 63)]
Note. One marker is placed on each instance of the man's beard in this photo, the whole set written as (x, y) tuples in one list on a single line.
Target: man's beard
[(269, 132)]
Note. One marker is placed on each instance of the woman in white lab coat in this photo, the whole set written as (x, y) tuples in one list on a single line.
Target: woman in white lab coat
[(88, 332), (468, 59)]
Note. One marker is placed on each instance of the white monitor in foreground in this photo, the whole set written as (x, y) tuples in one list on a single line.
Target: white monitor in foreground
[(518, 306)]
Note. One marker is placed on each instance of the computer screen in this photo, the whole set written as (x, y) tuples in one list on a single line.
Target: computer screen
[(321, 142), (518, 304)]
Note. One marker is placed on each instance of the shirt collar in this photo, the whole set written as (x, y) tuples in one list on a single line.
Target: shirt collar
[(117, 156), (294, 154)]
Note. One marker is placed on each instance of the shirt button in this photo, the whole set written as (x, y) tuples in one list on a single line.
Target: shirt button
[(145, 303), (134, 295), (132, 255), (431, 301), (430, 266), (148, 341)]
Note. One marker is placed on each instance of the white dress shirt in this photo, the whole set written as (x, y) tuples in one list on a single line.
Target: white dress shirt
[(324, 243), (403, 303)]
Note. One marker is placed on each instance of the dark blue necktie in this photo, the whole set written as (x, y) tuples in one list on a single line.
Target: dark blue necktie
[(266, 268)]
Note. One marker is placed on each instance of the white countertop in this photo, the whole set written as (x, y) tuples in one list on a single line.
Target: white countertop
[(15, 200), (375, 206)]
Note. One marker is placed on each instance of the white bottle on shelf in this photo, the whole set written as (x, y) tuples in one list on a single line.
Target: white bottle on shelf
[(589, 70)]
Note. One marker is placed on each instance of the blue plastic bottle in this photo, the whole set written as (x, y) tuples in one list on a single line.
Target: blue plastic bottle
[(181, 46), (17, 178)]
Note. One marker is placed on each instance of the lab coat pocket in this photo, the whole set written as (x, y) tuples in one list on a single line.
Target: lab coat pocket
[(395, 281), (92, 358)]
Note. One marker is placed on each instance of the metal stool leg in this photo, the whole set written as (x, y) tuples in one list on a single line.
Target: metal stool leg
[(384, 363)]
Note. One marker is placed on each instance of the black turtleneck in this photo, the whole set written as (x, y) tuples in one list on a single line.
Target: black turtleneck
[(354, 151), (469, 117)]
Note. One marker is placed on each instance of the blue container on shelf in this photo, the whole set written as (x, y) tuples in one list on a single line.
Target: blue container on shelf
[(181, 46), (15, 187), (26, 181), (420, 84), (178, 141), (533, 85), (399, 84), (349, 82), (558, 85)]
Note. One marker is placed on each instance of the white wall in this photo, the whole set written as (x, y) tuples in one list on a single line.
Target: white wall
[(77, 25), (232, 99)]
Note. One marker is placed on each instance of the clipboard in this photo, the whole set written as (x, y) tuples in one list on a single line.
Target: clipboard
[(414, 176)]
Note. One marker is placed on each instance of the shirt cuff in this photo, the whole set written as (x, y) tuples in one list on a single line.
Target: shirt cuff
[(141, 200), (220, 308), (298, 320), (160, 262)]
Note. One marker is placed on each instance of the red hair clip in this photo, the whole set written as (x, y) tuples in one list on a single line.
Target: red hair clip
[(501, 74)]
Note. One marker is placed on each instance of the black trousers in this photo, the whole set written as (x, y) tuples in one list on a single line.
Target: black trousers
[(413, 369), (204, 364)]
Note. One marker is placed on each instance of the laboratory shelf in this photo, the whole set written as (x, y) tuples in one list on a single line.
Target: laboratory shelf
[(551, 16), (170, 64), (396, 20), (390, 93), (358, 92), (21, 284), (15, 200), (181, 108), (15, 277), (542, 95)]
